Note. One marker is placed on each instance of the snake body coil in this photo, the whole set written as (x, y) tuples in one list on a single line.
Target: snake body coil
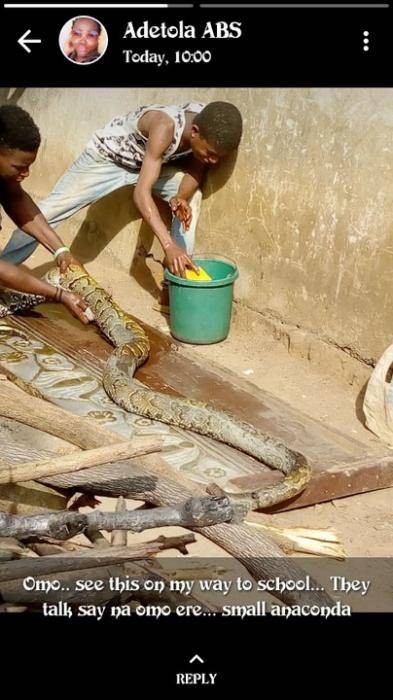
[(132, 349)]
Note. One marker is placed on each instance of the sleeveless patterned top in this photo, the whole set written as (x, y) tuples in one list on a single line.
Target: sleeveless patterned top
[(121, 141)]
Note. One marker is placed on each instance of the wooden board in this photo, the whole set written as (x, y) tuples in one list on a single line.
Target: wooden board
[(341, 465)]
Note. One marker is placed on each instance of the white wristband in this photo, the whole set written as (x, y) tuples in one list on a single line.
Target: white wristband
[(61, 250)]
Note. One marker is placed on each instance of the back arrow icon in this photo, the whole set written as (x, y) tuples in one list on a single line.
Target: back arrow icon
[(23, 41)]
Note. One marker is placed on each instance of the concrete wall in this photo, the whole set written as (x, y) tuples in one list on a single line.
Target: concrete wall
[(306, 211)]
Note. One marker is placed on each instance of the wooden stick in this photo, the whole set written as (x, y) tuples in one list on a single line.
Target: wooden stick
[(40, 414), (44, 549), (30, 498), (191, 513), (82, 460), (96, 537), (119, 537), (308, 540), (10, 548), (73, 561)]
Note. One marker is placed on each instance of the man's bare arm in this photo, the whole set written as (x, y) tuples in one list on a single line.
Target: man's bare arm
[(160, 136), (21, 280), (26, 215), (24, 212), (192, 180), (158, 142)]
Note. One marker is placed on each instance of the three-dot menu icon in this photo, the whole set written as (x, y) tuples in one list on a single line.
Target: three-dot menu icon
[(366, 41)]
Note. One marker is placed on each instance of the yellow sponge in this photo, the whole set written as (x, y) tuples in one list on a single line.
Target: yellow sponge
[(202, 277)]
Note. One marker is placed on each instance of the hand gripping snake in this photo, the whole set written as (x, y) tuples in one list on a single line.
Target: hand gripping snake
[(132, 349)]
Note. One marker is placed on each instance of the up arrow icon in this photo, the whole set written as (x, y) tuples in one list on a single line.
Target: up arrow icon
[(196, 658), (23, 41)]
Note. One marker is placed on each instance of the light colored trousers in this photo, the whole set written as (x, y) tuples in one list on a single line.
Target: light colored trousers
[(89, 179)]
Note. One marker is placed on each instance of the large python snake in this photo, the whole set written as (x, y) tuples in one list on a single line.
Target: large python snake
[(132, 349)]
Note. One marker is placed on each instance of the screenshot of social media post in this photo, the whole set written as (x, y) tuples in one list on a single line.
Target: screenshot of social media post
[(196, 399)]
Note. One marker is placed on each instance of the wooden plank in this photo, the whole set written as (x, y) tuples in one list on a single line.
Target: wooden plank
[(342, 465), (65, 464), (42, 415), (30, 498), (335, 482), (170, 370), (90, 354)]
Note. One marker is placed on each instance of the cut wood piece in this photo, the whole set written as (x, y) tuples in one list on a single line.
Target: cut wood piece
[(82, 460), (23, 451), (119, 537), (11, 548), (49, 545), (96, 557), (82, 500), (67, 545), (44, 549), (202, 572), (96, 537), (51, 419), (191, 513), (324, 543), (12, 608), (30, 498)]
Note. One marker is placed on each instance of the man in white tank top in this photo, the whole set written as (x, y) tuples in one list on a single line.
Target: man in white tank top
[(135, 149)]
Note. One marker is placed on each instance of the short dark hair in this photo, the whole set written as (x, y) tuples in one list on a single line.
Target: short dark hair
[(220, 123), (17, 129), (98, 25)]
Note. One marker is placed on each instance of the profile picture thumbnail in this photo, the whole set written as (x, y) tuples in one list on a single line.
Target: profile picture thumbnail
[(83, 40)]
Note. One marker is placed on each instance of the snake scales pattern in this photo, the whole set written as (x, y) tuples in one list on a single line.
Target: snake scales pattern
[(132, 349)]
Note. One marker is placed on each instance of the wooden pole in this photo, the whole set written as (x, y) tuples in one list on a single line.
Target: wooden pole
[(119, 537), (81, 460), (73, 561), (195, 512), (51, 419)]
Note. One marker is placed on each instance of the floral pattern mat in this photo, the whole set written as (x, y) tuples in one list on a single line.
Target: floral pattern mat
[(78, 389)]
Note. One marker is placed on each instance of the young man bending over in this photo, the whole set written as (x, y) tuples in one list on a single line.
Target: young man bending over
[(136, 149)]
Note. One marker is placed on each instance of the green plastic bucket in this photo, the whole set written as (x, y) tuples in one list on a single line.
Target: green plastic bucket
[(200, 312)]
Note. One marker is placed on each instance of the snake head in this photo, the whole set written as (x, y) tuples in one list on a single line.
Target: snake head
[(53, 276)]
